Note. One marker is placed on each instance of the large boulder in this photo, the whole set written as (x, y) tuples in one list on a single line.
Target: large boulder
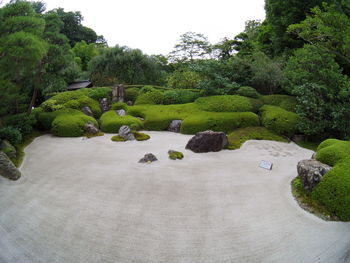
[(90, 128), (148, 158), (118, 93), (175, 126), (104, 104), (126, 134), (207, 141), (311, 172), (8, 148), (87, 111), (7, 168)]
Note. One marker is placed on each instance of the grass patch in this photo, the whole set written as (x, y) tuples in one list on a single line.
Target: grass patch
[(305, 200), (240, 136), (139, 136), (94, 135), (174, 155), (27, 139), (285, 102), (118, 138)]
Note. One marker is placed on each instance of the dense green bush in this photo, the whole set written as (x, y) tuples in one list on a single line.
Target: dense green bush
[(45, 119), (71, 124), (248, 92), (131, 94), (153, 97), (23, 122), (240, 136), (225, 103), (179, 96), (218, 121), (279, 120), (111, 122), (10, 134), (92, 104), (72, 104), (332, 151), (100, 93), (119, 106), (283, 101)]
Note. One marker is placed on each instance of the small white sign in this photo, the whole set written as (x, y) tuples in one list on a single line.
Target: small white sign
[(266, 165)]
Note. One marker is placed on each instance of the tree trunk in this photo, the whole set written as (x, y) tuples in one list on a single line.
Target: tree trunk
[(32, 102)]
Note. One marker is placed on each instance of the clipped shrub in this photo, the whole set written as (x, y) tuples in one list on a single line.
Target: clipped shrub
[(224, 121), (111, 122), (153, 97), (225, 103), (248, 92), (147, 88), (139, 136), (240, 136), (51, 105), (283, 101), (131, 94), (119, 106), (10, 134), (71, 124), (45, 119), (72, 104), (100, 93), (279, 120), (332, 151), (85, 101), (171, 97), (179, 96)]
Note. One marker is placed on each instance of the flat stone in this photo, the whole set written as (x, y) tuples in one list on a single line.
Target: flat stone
[(207, 141)]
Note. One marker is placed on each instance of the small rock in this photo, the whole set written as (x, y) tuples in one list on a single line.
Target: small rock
[(104, 104), (311, 172), (149, 158), (125, 133), (313, 157), (175, 126), (129, 103), (120, 112), (7, 168), (207, 141), (90, 128), (87, 111)]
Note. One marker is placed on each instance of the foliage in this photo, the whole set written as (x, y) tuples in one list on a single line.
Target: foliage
[(131, 94), (179, 96), (283, 101), (218, 121), (279, 120), (72, 124), (248, 92), (139, 136), (22, 121), (183, 79), (111, 122), (10, 134), (153, 97), (174, 155), (240, 136), (225, 103), (85, 52)]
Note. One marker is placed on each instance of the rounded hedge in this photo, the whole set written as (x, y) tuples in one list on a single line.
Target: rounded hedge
[(131, 94), (332, 151), (248, 92), (71, 124), (111, 122), (225, 103), (153, 97), (139, 136), (224, 121), (10, 134), (279, 120), (283, 101)]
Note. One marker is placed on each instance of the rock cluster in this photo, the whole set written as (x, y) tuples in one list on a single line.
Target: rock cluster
[(148, 158), (311, 172), (7, 168), (126, 134), (207, 141)]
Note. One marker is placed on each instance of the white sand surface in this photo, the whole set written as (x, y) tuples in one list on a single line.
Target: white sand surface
[(91, 201)]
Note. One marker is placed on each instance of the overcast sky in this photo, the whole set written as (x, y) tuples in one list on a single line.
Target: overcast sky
[(154, 26)]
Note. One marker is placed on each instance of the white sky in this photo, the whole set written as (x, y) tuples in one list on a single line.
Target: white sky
[(154, 26)]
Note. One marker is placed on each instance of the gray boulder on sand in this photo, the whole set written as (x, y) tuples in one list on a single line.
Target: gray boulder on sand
[(311, 172), (149, 158), (104, 104), (125, 133), (7, 168), (120, 112), (207, 141), (87, 111), (175, 126), (90, 128)]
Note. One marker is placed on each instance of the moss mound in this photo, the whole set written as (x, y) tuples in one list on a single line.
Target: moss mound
[(111, 122), (131, 94), (218, 121), (279, 120), (71, 124), (152, 97), (248, 92), (225, 103), (139, 136), (285, 102), (174, 155), (333, 151), (240, 136), (118, 138)]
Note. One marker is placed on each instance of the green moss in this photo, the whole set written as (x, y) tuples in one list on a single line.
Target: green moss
[(118, 138), (139, 136), (45, 119), (225, 103), (72, 104), (94, 135), (119, 106), (131, 94), (153, 97), (218, 121), (305, 200), (174, 155), (248, 92), (333, 151), (92, 104), (71, 124), (283, 101), (279, 120), (111, 122), (100, 93), (240, 136)]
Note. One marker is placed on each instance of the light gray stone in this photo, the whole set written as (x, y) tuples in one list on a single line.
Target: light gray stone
[(90, 128), (175, 126), (87, 111), (148, 158), (120, 112), (125, 133), (311, 172)]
